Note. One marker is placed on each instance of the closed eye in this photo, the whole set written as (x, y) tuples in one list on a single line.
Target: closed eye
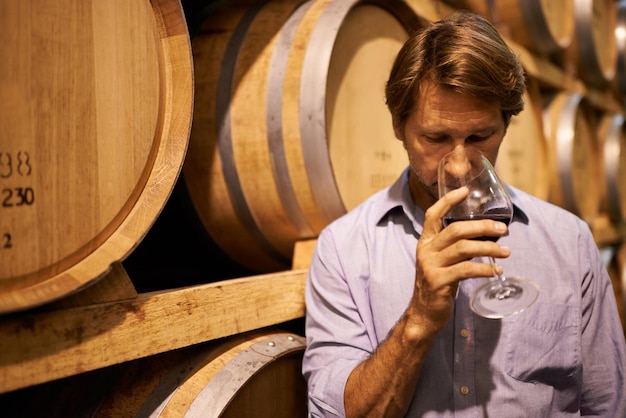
[(478, 138), (436, 139)]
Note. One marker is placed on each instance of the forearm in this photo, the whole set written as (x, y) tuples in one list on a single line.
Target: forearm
[(383, 385)]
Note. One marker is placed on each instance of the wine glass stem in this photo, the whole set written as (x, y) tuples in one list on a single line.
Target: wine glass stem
[(495, 270)]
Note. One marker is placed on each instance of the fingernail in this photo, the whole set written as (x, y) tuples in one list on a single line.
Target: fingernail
[(500, 226), (504, 248)]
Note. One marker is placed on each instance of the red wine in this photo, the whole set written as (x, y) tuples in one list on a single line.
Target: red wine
[(500, 215)]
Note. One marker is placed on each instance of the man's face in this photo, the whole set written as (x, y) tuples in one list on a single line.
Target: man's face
[(443, 120)]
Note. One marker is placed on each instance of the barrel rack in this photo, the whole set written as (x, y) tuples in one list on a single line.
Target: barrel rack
[(109, 323)]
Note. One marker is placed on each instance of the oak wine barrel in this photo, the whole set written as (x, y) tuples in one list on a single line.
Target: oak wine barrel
[(570, 129), (523, 158), (95, 113), (542, 26), (595, 43), (290, 125), (256, 374), (620, 42), (612, 137)]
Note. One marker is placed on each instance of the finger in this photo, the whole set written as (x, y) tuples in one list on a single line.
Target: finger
[(479, 230), (448, 278), (470, 269), (434, 215), (464, 250), (435, 264)]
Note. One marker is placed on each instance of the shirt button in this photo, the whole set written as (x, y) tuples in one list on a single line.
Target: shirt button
[(464, 390), (464, 333)]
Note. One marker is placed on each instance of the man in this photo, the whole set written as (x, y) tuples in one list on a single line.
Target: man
[(389, 328)]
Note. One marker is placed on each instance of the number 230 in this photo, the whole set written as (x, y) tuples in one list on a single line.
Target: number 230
[(18, 196)]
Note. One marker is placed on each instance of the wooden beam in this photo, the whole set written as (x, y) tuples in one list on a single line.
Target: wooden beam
[(302, 254), (45, 346)]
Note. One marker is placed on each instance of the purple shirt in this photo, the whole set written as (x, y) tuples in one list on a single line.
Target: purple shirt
[(563, 356)]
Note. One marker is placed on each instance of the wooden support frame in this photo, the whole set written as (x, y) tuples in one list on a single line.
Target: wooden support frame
[(45, 346)]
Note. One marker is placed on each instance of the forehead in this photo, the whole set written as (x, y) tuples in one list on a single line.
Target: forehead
[(440, 109)]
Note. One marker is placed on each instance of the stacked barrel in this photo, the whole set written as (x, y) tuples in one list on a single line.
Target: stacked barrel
[(289, 130), (290, 126)]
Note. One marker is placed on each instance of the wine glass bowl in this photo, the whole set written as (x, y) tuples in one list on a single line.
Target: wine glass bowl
[(488, 198)]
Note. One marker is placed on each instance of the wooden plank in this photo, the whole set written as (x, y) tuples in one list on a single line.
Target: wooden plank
[(545, 71), (44, 346), (302, 253)]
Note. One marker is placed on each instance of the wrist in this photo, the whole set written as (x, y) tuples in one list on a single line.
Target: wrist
[(418, 328)]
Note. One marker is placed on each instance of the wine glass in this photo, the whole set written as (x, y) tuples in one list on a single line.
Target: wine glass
[(488, 199)]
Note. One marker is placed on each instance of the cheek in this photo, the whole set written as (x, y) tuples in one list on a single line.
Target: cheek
[(425, 159), (491, 149), (425, 170)]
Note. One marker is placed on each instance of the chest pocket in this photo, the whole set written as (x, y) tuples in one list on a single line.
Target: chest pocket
[(543, 345)]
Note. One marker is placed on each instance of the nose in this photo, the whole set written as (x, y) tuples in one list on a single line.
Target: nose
[(458, 164)]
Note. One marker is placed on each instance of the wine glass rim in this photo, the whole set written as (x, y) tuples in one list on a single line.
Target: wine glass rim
[(485, 167)]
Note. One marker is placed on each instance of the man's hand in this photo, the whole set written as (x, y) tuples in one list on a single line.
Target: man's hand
[(444, 257)]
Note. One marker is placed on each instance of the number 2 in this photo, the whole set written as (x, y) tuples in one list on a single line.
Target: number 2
[(6, 241)]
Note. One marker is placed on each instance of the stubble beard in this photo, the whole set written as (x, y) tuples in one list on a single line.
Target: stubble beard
[(416, 172)]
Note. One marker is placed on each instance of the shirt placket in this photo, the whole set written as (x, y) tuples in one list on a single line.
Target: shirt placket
[(464, 346)]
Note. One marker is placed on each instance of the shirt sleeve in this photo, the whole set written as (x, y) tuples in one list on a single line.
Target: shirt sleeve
[(336, 335), (603, 344)]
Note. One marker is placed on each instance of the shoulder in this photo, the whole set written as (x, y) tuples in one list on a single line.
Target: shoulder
[(550, 226), (544, 212), (364, 217)]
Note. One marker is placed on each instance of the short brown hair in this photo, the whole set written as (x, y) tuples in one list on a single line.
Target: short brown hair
[(464, 52)]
